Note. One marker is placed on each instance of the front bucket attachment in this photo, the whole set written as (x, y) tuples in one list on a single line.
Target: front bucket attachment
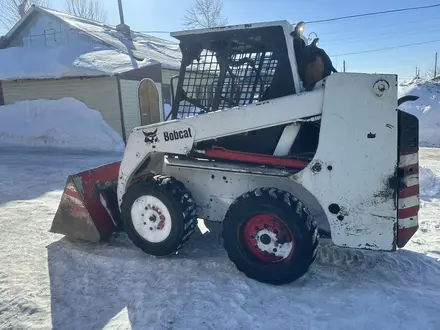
[(87, 210)]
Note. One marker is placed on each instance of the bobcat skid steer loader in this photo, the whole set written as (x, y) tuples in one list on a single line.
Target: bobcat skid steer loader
[(247, 146)]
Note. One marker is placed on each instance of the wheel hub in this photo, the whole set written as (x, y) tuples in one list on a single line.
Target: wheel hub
[(268, 238), (151, 218), (265, 239)]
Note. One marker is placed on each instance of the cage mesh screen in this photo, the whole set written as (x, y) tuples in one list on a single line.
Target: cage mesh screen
[(241, 79), (199, 85)]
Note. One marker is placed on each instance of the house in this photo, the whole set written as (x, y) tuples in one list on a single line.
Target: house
[(51, 55)]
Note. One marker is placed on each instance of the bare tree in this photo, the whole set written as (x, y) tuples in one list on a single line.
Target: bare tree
[(205, 14), (12, 10), (429, 74), (89, 9)]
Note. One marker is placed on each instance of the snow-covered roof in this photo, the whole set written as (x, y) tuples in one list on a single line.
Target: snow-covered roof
[(119, 53), (75, 60)]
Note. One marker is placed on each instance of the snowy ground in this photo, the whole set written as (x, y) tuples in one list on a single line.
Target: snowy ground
[(48, 282)]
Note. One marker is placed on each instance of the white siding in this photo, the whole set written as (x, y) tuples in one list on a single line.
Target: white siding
[(48, 31), (98, 93), (167, 75), (159, 88), (130, 103)]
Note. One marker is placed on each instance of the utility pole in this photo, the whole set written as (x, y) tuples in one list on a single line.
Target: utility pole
[(121, 12), (343, 65), (435, 65), (122, 27)]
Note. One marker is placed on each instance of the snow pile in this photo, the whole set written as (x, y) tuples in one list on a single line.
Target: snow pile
[(426, 109), (64, 123), (78, 59), (429, 183)]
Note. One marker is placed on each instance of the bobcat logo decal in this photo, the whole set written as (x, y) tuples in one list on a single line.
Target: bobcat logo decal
[(151, 137)]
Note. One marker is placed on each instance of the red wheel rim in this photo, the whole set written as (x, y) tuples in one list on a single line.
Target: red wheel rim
[(268, 238)]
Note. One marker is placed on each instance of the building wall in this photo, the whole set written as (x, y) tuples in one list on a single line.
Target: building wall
[(167, 74), (48, 31), (130, 105), (98, 93)]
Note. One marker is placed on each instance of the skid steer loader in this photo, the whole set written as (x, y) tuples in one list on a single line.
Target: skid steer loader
[(246, 145)]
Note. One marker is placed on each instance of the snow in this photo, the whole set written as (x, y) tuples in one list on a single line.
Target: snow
[(429, 183), (426, 109), (47, 281), (73, 60), (167, 110), (64, 123), (111, 54), (140, 46)]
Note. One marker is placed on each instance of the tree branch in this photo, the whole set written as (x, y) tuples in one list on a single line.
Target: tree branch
[(88, 9), (13, 10), (204, 14)]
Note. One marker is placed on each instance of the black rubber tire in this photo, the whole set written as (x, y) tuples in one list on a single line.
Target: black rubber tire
[(180, 204), (294, 215)]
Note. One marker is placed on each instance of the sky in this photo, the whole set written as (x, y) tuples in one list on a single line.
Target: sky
[(336, 38)]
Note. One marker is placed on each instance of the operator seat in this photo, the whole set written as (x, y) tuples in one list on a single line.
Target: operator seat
[(318, 65)]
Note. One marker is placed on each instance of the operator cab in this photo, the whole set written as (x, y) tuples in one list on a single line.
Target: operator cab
[(238, 65), (233, 66)]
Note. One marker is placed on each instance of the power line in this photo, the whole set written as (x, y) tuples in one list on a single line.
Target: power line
[(372, 14), (347, 17), (392, 35), (388, 48), (399, 24)]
